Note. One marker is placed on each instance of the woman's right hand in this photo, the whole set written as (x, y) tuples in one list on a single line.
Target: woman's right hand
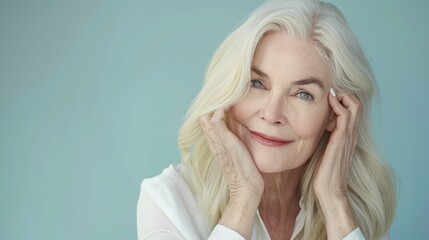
[(232, 155), (245, 183)]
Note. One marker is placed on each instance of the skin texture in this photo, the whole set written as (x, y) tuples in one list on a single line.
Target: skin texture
[(279, 105)]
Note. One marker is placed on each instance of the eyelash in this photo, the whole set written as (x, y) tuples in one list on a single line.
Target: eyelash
[(252, 84), (261, 86), (310, 97)]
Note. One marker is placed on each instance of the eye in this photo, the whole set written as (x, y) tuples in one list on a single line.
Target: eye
[(305, 96), (257, 84)]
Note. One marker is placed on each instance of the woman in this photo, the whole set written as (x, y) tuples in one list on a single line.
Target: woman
[(277, 144)]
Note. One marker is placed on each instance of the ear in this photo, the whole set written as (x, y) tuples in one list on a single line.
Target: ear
[(332, 123)]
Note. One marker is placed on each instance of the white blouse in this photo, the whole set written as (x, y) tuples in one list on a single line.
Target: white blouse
[(167, 209)]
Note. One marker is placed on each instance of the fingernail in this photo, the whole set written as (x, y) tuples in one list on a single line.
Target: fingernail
[(332, 91)]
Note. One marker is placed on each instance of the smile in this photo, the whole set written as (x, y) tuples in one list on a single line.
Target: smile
[(268, 140)]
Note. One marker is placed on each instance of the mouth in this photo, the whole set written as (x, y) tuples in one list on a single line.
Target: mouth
[(269, 141)]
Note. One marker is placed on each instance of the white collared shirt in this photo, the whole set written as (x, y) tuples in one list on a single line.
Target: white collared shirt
[(167, 209)]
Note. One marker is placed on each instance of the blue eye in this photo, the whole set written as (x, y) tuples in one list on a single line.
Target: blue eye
[(305, 96), (256, 84)]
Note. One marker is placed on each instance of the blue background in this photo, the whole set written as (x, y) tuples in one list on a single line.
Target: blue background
[(92, 94)]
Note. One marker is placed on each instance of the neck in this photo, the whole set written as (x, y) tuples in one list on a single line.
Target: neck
[(279, 204)]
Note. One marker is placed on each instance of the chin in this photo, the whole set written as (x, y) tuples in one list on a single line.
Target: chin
[(265, 166), (275, 165)]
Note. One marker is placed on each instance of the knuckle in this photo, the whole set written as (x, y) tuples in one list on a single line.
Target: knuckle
[(358, 104), (342, 135), (345, 115), (220, 154), (355, 101), (214, 122), (203, 121), (357, 107)]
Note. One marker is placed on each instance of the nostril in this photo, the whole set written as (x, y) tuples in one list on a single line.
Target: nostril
[(274, 119)]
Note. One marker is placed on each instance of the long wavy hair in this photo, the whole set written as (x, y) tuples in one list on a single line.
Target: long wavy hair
[(372, 191)]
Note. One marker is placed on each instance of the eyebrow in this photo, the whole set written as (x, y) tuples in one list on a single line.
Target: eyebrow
[(310, 80)]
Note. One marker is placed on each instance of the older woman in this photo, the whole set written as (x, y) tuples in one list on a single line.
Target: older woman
[(277, 144)]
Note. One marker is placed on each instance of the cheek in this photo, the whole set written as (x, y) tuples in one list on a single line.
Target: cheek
[(237, 115), (242, 110), (308, 122)]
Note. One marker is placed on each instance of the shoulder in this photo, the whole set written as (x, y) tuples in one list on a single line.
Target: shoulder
[(169, 190), (168, 199), (169, 182)]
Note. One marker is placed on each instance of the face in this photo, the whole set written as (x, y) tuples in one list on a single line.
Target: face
[(286, 111)]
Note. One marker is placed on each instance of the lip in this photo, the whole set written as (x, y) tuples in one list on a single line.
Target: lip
[(268, 140)]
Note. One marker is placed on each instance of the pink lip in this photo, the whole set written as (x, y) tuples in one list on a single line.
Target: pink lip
[(268, 140)]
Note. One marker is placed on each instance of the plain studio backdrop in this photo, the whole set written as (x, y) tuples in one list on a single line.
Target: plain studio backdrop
[(92, 94)]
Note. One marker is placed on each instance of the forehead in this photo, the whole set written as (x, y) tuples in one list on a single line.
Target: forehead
[(281, 55)]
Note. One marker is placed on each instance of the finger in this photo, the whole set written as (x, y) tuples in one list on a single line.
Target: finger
[(219, 126), (343, 114), (217, 133), (352, 103), (213, 122), (213, 140), (218, 115), (205, 124)]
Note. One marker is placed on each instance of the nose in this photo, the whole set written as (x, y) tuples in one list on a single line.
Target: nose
[(274, 110)]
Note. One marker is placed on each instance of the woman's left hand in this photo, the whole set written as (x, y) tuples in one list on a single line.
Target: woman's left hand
[(332, 174)]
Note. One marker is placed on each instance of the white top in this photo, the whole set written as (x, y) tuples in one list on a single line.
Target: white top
[(167, 209)]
